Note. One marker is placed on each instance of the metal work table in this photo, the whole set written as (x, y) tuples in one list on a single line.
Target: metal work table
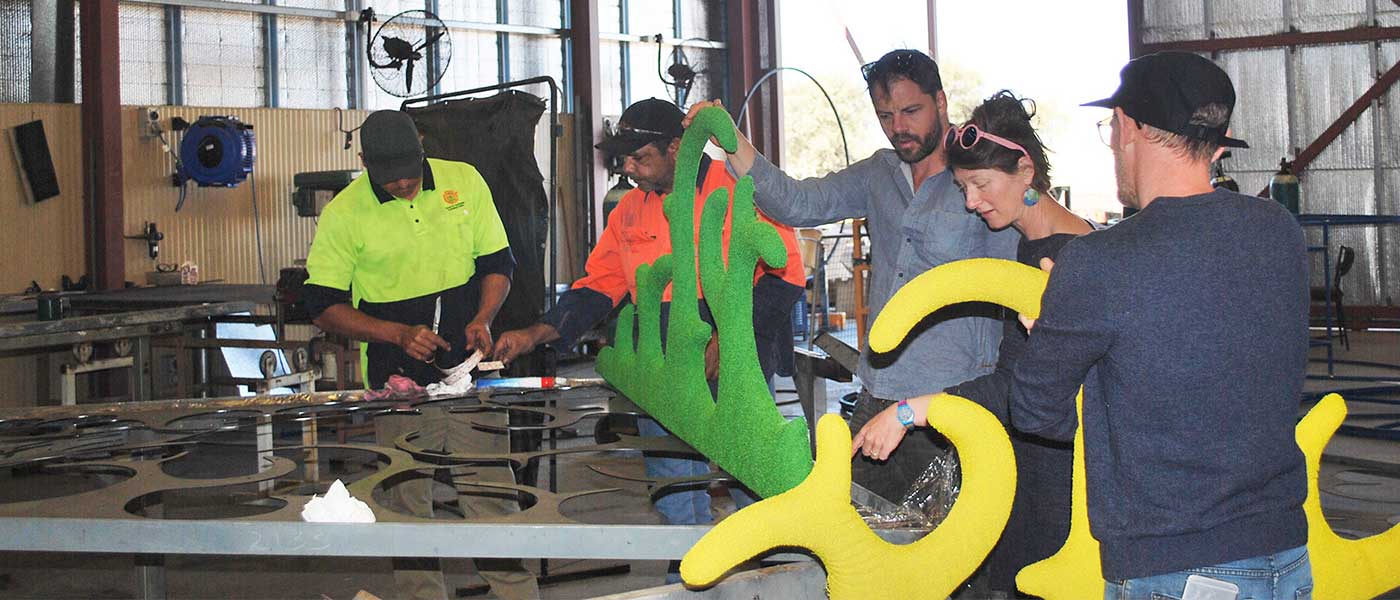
[(132, 331), (137, 438)]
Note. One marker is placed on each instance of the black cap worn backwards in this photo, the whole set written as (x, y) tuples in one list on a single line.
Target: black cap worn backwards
[(642, 123), (1164, 89), (392, 151)]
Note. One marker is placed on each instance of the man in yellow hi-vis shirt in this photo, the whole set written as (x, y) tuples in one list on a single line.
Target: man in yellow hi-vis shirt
[(411, 235)]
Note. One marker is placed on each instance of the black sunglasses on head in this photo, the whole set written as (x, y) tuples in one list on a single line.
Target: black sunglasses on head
[(899, 61)]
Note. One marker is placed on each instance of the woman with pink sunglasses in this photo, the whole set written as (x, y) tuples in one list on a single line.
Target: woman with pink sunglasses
[(999, 162)]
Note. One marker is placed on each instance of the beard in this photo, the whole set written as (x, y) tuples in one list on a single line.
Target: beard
[(660, 185), (926, 145), (1127, 192)]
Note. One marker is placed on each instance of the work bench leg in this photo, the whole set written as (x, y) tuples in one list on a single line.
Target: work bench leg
[(150, 576)]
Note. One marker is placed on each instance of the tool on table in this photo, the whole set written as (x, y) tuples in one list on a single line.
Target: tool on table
[(539, 383)]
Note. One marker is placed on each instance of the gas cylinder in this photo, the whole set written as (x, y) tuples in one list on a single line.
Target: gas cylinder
[(1283, 187)]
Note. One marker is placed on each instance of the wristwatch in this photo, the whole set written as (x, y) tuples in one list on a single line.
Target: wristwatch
[(905, 413)]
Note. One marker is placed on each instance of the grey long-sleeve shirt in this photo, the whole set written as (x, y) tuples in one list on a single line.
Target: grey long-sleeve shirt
[(909, 233)]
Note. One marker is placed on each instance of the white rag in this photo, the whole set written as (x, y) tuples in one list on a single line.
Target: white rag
[(337, 506)]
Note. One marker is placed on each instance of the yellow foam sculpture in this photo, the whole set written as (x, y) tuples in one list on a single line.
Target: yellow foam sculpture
[(817, 515), (1342, 569)]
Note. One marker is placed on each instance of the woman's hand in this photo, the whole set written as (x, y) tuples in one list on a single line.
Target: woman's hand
[(880, 435)]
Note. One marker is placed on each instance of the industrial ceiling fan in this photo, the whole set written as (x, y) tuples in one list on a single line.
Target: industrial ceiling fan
[(408, 53)]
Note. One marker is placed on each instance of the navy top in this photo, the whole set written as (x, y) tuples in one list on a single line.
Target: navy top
[(1187, 325)]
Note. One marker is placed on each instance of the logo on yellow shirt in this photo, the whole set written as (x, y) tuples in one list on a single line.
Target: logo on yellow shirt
[(450, 197)]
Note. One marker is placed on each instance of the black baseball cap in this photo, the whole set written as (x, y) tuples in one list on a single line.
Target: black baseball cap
[(642, 123), (391, 148), (1164, 89)]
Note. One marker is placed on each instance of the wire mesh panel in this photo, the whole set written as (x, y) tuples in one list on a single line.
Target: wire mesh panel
[(223, 63), (1331, 78), (610, 16), (1172, 20), (383, 9), (1328, 15), (702, 20), (536, 13), (648, 18), (480, 11), (321, 4), (646, 76), (1261, 110), (610, 77), (473, 63), (143, 54), (15, 61), (534, 55), (1247, 18), (311, 63), (710, 73)]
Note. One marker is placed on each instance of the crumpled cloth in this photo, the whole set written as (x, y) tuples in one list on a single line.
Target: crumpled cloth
[(455, 381), (397, 388), (337, 506)]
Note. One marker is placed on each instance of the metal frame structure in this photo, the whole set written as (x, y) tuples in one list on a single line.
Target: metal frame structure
[(555, 131), (1305, 151)]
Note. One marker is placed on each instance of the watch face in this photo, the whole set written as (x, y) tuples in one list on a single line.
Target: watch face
[(905, 414)]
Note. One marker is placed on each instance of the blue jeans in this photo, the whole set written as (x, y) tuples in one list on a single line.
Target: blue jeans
[(679, 508), (1286, 575)]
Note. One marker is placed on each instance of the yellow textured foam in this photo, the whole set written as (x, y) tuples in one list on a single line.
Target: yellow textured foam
[(1342, 569), (1010, 284), (817, 515)]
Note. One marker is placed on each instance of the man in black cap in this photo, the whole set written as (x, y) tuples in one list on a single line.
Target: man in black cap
[(647, 140), (1187, 326), (411, 258)]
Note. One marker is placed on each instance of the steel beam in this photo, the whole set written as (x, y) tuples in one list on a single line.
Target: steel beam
[(1135, 17), (752, 39), (102, 144), (1277, 40), (175, 56), (1348, 116), (588, 106)]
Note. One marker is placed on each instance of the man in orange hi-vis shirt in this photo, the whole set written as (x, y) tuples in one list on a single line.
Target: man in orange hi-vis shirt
[(637, 232)]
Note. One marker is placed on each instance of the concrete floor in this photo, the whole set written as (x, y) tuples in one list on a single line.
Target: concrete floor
[(1361, 495)]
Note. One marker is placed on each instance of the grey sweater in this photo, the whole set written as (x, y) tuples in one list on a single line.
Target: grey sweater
[(1187, 325)]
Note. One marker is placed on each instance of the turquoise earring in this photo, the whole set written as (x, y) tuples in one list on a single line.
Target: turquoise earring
[(1032, 196)]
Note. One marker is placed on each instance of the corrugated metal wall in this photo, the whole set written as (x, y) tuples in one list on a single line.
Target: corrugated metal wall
[(41, 241), (1287, 97), (216, 229)]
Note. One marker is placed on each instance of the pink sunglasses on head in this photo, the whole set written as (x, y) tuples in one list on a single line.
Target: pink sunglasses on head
[(968, 135)]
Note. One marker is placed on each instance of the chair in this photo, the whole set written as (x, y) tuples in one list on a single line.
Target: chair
[(1346, 257)]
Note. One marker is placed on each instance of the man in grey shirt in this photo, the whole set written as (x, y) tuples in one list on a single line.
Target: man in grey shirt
[(917, 221)]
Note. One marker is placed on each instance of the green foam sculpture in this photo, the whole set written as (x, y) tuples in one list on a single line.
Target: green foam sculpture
[(740, 430)]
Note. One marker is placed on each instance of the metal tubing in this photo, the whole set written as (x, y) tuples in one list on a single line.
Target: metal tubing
[(443, 539)]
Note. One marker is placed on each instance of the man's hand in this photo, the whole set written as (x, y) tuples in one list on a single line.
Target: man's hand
[(880, 435), (696, 108), (1046, 265), (420, 342), (512, 344), (741, 160), (712, 358), (479, 336)]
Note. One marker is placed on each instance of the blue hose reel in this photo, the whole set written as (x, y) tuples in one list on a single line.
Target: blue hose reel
[(216, 152)]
